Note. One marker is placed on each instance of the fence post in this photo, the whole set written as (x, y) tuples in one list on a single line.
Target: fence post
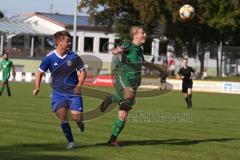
[(2, 42), (32, 47), (220, 59)]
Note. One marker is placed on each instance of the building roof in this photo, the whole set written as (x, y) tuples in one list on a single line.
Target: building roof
[(63, 20), (14, 27), (66, 20)]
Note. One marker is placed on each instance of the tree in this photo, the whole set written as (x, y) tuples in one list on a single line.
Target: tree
[(214, 21), (119, 15), (224, 17), (219, 15)]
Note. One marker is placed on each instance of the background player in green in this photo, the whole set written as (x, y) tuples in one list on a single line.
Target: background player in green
[(6, 66), (127, 78), (186, 74)]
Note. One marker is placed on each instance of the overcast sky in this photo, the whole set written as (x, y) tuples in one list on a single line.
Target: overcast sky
[(14, 7)]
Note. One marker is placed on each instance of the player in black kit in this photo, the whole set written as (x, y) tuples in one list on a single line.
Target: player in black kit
[(186, 74)]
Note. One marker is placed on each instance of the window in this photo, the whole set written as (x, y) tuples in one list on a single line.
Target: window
[(117, 41), (103, 46), (163, 48), (147, 47), (18, 41), (37, 42), (75, 44), (88, 44)]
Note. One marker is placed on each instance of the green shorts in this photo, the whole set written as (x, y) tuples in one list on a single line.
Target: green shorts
[(121, 82), (5, 78)]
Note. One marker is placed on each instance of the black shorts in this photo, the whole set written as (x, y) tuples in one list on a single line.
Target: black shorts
[(185, 86)]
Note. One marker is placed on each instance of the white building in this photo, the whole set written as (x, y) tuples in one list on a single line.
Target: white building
[(90, 39)]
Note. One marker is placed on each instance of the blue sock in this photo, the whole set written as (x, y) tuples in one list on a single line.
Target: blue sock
[(67, 131)]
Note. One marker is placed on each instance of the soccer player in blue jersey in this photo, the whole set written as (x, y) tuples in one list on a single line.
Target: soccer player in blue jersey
[(68, 74)]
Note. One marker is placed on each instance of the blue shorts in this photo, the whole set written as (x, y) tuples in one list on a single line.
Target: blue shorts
[(72, 102)]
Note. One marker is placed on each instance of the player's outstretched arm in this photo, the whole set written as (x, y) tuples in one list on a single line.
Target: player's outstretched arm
[(81, 79), (192, 74), (179, 76), (161, 69), (38, 79), (117, 50)]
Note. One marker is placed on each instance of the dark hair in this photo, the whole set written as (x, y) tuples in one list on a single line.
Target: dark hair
[(4, 53), (60, 34)]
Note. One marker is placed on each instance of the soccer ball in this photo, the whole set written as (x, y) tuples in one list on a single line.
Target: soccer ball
[(186, 12)]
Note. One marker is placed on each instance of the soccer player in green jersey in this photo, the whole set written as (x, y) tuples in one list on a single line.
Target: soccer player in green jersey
[(6, 66), (127, 78)]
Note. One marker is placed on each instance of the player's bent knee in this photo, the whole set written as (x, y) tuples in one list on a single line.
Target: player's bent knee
[(128, 97), (122, 115), (77, 116), (62, 114), (129, 94), (189, 91)]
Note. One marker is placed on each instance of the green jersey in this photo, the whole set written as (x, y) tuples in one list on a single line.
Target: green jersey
[(128, 71), (131, 62), (5, 66)]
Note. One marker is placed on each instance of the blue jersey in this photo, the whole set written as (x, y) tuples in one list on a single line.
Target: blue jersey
[(63, 70)]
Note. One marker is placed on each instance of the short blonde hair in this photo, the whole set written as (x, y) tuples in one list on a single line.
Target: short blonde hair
[(134, 30)]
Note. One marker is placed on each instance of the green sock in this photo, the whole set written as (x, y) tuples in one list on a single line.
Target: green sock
[(117, 127)]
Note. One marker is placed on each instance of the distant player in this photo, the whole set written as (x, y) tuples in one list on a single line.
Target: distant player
[(163, 80), (127, 79), (186, 74), (6, 66), (68, 74)]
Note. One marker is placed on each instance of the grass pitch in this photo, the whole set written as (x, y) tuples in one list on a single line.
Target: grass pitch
[(157, 129)]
